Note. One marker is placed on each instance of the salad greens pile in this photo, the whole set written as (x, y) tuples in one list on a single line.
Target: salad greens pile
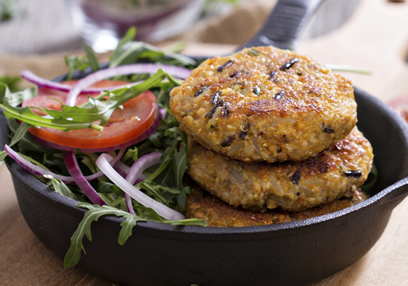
[(164, 181)]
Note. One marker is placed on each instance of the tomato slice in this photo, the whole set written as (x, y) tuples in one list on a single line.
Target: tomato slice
[(123, 126)]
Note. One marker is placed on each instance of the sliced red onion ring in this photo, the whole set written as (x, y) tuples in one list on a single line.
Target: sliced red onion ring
[(73, 168), (163, 112), (142, 164), (28, 75), (121, 70), (136, 170), (122, 168), (103, 164), (38, 171), (34, 169), (146, 134), (129, 206), (114, 162)]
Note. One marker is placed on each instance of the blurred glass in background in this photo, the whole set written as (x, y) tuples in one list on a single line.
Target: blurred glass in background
[(43, 26), (103, 22)]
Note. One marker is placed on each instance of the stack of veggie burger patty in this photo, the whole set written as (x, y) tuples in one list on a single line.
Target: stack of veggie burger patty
[(271, 133)]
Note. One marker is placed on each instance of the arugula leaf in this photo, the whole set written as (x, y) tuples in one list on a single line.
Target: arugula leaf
[(32, 160), (176, 47), (19, 133), (89, 159), (93, 214), (75, 63), (129, 36), (165, 182), (131, 52), (106, 200), (81, 63), (119, 203), (107, 188), (61, 187), (179, 164), (131, 153), (156, 191), (21, 95), (11, 81), (25, 114), (54, 160), (26, 142), (3, 155), (92, 60)]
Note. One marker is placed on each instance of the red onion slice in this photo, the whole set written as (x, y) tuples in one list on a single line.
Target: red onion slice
[(142, 164), (41, 82), (38, 171), (122, 70), (136, 170), (129, 206), (34, 169), (73, 168), (103, 164), (122, 169), (163, 112)]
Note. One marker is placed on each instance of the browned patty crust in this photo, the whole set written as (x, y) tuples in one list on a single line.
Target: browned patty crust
[(292, 186), (265, 104), (215, 212)]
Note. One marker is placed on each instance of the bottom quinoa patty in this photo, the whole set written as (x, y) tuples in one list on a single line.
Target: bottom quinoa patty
[(291, 186), (214, 212)]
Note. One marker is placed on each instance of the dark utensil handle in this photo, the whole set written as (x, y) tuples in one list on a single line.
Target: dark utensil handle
[(284, 24)]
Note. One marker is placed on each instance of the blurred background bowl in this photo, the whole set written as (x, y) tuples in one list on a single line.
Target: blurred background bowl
[(43, 26), (103, 22)]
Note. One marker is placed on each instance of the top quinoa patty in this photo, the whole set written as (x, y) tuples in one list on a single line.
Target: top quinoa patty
[(265, 104)]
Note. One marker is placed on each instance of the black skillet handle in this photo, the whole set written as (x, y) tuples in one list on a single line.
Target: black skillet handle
[(284, 24)]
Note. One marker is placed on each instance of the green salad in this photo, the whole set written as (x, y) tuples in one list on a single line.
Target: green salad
[(107, 140)]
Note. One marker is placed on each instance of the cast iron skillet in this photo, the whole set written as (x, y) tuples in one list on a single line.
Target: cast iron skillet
[(295, 253)]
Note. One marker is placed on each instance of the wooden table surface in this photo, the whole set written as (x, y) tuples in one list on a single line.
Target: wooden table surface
[(376, 38)]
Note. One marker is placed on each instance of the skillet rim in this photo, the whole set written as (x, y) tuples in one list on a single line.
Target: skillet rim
[(44, 190)]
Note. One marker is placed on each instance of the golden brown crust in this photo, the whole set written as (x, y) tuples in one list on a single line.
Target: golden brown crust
[(248, 107), (292, 186), (217, 213)]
